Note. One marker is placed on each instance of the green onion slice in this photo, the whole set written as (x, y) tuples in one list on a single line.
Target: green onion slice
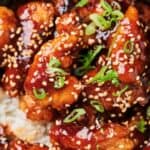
[(117, 14), (59, 82), (54, 62), (103, 75), (97, 105), (74, 115), (106, 6), (39, 93), (90, 29), (100, 21), (54, 67), (141, 126), (128, 47), (87, 60), (82, 3), (119, 93)]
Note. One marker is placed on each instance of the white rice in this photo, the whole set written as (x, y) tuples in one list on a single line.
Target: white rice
[(15, 119)]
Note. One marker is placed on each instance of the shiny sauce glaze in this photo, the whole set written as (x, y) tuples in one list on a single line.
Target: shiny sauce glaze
[(83, 65)]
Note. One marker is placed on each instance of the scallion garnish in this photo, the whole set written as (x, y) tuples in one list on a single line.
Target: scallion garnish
[(74, 115), (54, 62), (82, 3), (90, 29), (148, 112), (106, 6), (60, 82), (100, 21), (105, 20), (87, 60), (97, 105), (39, 93), (141, 126), (119, 93), (117, 14), (105, 75), (54, 67), (128, 47)]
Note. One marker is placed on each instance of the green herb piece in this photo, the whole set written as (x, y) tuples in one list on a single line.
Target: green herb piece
[(141, 126), (97, 105), (100, 21), (128, 47), (74, 115), (82, 3), (54, 62), (39, 93), (87, 60), (105, 75), (148, 112), (119, 93), (105, 20), (117, 14), (90, 29), (106, 6), (60, 82), (54, 67)]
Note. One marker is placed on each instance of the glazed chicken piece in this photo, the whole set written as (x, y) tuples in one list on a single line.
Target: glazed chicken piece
[(127, 48), (126, 68), (62, 50), (58, 94), (36, 21), (41, 77), (108, 137), (8, 25), (75, 22), (112, 97)]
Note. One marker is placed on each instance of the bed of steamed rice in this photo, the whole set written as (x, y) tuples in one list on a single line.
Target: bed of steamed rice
[(15, 119)]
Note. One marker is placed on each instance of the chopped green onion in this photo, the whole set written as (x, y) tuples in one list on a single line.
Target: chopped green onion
[(54, 62), (128, 47), (117, 14), (74, 115), (53, 67), (90, 29), (148, 112), (141, 126), (82, 3), (103, 75), (105, 20), (39, 93), (87, 60), (106, 6), (97, 105), (99, 75), (100, 21), (119, 93), (59, 82), (115, 81)]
